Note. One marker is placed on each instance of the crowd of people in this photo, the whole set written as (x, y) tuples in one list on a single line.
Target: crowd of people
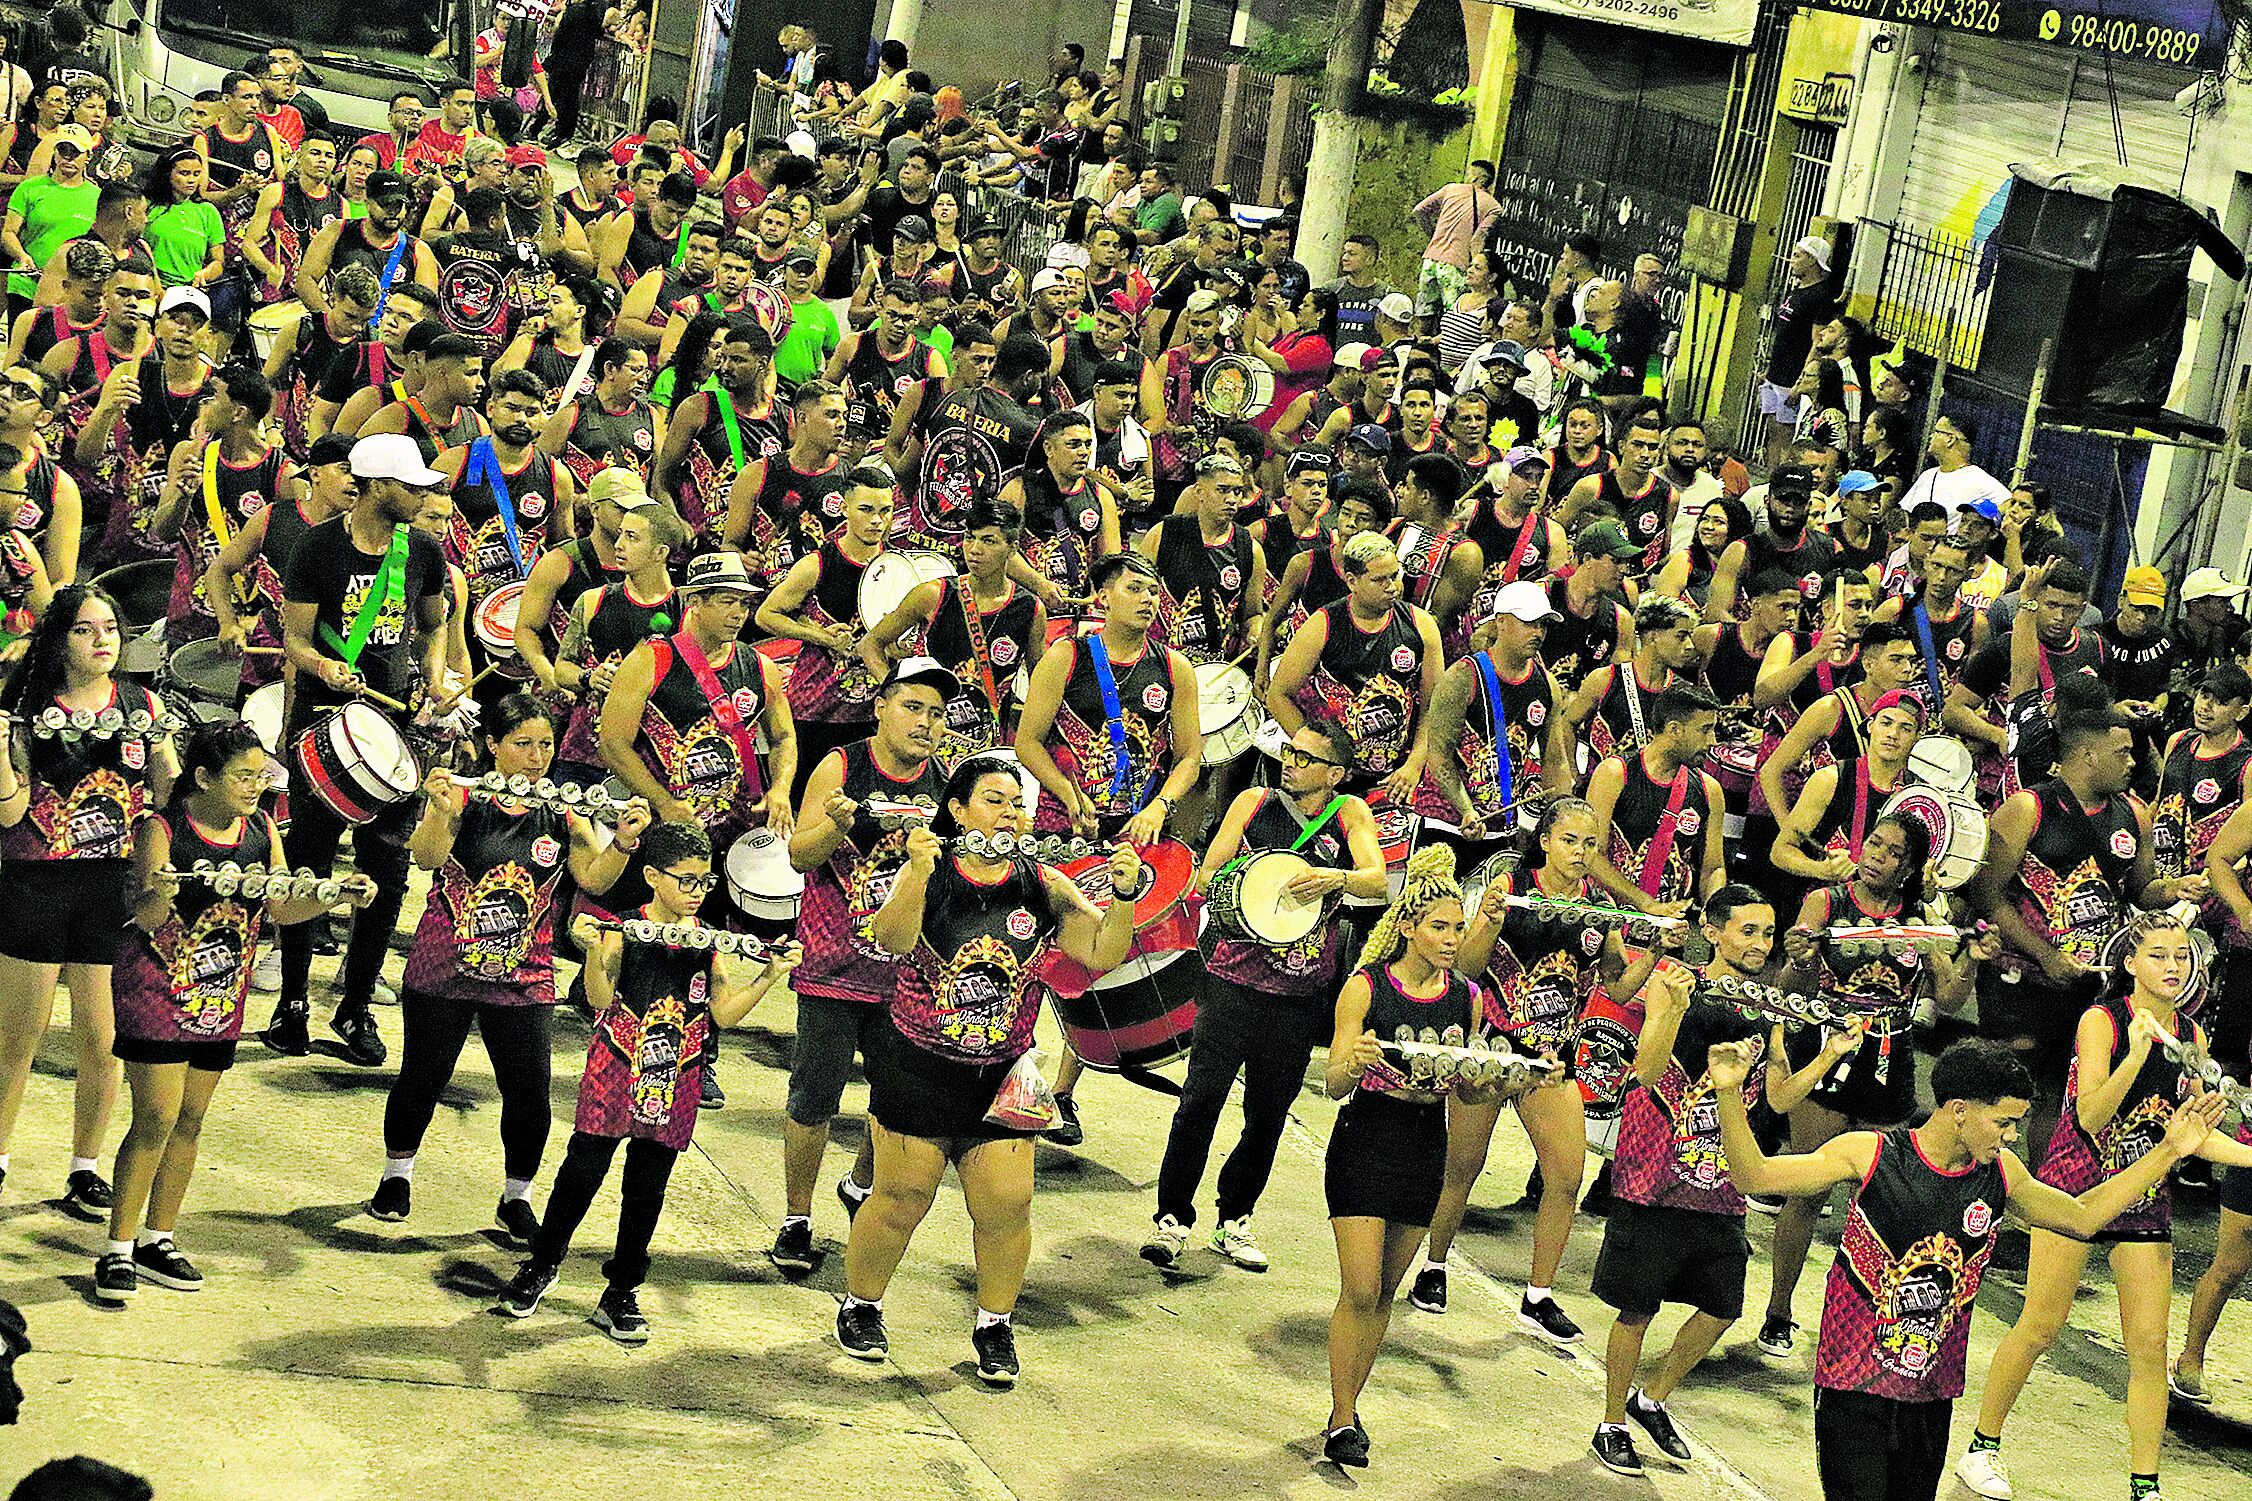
[(722, 577)]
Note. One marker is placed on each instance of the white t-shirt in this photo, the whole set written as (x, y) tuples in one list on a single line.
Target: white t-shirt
[(1954, 491), (1701, 493)]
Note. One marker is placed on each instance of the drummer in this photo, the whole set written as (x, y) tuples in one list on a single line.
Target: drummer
[(146, 403), (782, 507), (372, 370), (305, 347), (1476, 772), (718, 429), (363, 607), (1296, 522), (818, 602), (1839, 730), (1211, 574), (261, 547), (1659, 811), (1822, 835), (1956, 629), (213, 485), (608, 622), (1265, 1005), (2202, 783), (1874, 1089), (845, 981), (511, 502), (612, 424), (978, 625), (1314, 576), (1610, 702)]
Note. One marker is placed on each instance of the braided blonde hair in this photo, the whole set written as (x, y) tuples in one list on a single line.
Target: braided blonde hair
[(1430, 880)]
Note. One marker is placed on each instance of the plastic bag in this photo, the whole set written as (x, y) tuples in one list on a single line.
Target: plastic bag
[(1024, 1102)]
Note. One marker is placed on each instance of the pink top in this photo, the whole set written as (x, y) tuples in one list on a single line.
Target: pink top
[(1463, 213)]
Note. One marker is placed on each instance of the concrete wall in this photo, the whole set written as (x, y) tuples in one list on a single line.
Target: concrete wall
[(977, 46)]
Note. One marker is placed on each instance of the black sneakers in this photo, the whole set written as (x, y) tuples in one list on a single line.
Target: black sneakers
[(522, 1297), (394, 1199), (516, 1217), (852, 1196), (1655, 1421), (860, 1330), (161, 1262), (713, 1097), (1430, 1290), (1346, 1446), (86, 1196), (1615, 1448), (1548, 1319), (1066, 1132), (996, 1346), (115, 1279), (362, 1043), (619, 1316), (286, 1034), (793, 1247), (1775, 1337)]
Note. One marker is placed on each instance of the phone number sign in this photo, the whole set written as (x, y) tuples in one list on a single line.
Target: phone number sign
[(2187, 34)]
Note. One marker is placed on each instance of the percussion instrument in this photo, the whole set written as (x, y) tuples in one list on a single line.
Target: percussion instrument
[(356, 762), (1396, 829), (1956, 824), (1637, 925), (1224, 703), (894, 574), (1268, 740), (782, 651), (1165, 924), (761, 879), (262, 711), (1603, 1063), (275, 885), (1441, 1062), (494, 623), (1898, 939), (268, 324), (1136, 1024), (1249, 898), (1046, 847), (1236, 388), (205, 673), (2194, 1059), (1942, 761), (1773, 1003), (688, 936), (73, 725), (143, 591), (568, 797)]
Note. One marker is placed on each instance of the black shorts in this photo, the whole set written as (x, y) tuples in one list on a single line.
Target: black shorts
[(2236, 1189), (62, 911), (204, 1054), (917, 1093), (1860, 1096), (1871, 1448), (830, 1033), (1653, 1255), (2035, 1016), (1387, 1160)]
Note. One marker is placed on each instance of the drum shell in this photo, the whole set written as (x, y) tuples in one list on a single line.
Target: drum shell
[(1220, 686), (1165, 922), (1224, 898), (1397, 830), (1943, 761), (494, 624), (1957, 826), (1138, 1024), (204, 672), (880, 591), (334, 759), (759, 885)]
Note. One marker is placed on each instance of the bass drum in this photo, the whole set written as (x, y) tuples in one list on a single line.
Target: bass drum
[(1957, 827), (1137, 1023)]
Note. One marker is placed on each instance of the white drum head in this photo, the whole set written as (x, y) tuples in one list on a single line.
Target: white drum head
[(895, 574), (1942, 761), (1223, 696)]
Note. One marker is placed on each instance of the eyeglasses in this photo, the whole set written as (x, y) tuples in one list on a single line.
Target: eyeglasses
[(692, 885), (1293, 756)]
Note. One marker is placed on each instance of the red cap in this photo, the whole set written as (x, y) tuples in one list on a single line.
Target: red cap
[(526, 156)]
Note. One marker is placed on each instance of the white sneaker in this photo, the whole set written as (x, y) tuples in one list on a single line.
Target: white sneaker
[(1235, 1241), (1982, 1471), (383, 995), (1168, 1238), (266, 978)]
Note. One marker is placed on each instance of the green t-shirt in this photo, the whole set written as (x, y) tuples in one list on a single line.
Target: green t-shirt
[(180, 237), (1162, 214), (812, 338), (52, 214), (941, 338)]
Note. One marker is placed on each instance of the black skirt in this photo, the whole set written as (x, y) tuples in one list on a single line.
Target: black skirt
[(62, 911), (917, 1093), (1387, 1160)]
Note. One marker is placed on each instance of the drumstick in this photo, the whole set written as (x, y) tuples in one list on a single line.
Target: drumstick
[(384, 699), (265, 651)]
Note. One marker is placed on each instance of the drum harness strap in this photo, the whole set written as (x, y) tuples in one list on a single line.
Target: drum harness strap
[(1495, 712), (1922, 617), (1631, 681), (1517, 553), (726, 404), (974, 624), (1121, 773), (699, 667), (216, 514), (1652, 875), (484, 466), (390, 583), (390, 274)]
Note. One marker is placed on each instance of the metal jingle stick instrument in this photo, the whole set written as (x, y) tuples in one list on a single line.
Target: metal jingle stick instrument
[(2195, 1060), (1589, 914), (227, 878), (1899, 938), (596, 801), (73, 725), (1048, 847), (1752, 999), (689, 936), (1435, 1060)]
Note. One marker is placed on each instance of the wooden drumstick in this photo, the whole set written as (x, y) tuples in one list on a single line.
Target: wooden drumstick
[(384, 699), (265, 651)]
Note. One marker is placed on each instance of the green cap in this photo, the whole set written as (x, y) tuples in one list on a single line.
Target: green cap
[(1605, 539)]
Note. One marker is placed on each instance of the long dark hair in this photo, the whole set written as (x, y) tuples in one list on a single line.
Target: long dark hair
[(961, 784), (1701, 562), (1914, 858), (39, 677), (209, 748), (157, 185)]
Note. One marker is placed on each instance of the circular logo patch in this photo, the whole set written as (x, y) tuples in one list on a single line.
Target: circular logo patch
[(1021, 924), (533, 505), (745, 701), (643, 439), (1402, 659), (1154, 698), (251, 504), (1089, 519), (1689, 822), (1978, 1218), (1002, 649), (1646, 523), (1591, 939), (2122, 843), (832, 504), (1231, 577), (133, 753), (1536, 713), (546, 851), (1955, 650), (698, 988), (2206, 790)]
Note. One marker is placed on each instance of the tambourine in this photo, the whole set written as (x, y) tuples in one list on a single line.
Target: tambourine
[(1898, 939), (72, 725), (2195, 1060), (1436, 1060), (688, 936), (596, 801), (771, 308), (227, 878), (1752, 999), (1236, 388)]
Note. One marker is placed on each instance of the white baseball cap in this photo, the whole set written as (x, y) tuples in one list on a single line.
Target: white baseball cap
[(393, 456), (1527, 601), (2209, 583), (185, 297)]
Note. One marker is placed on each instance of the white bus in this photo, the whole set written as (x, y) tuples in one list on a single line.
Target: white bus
[(357, 55)]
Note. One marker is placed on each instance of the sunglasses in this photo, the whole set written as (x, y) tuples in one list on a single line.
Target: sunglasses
[(1293, 756)]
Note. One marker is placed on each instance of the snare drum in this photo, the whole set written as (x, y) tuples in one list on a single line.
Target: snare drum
[(494, 622), (204, 672), (1943, 761), (1956, 824), (262, 711), (1136, 1024), (143, 592), (1224, 702), (1165, 925), (894, 574), (1248, 899), (356, 761), (761, 879), (268, 324)]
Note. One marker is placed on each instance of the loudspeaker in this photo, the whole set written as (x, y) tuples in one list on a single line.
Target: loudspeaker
[(2104, 281)]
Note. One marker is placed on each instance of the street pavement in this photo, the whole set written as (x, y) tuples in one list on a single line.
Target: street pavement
[(333, 1356)]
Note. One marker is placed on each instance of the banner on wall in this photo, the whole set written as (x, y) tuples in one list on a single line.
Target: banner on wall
[(2186, 34), (1728, 22)]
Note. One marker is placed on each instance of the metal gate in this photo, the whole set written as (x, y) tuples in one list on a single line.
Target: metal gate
[(1811, 155)]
